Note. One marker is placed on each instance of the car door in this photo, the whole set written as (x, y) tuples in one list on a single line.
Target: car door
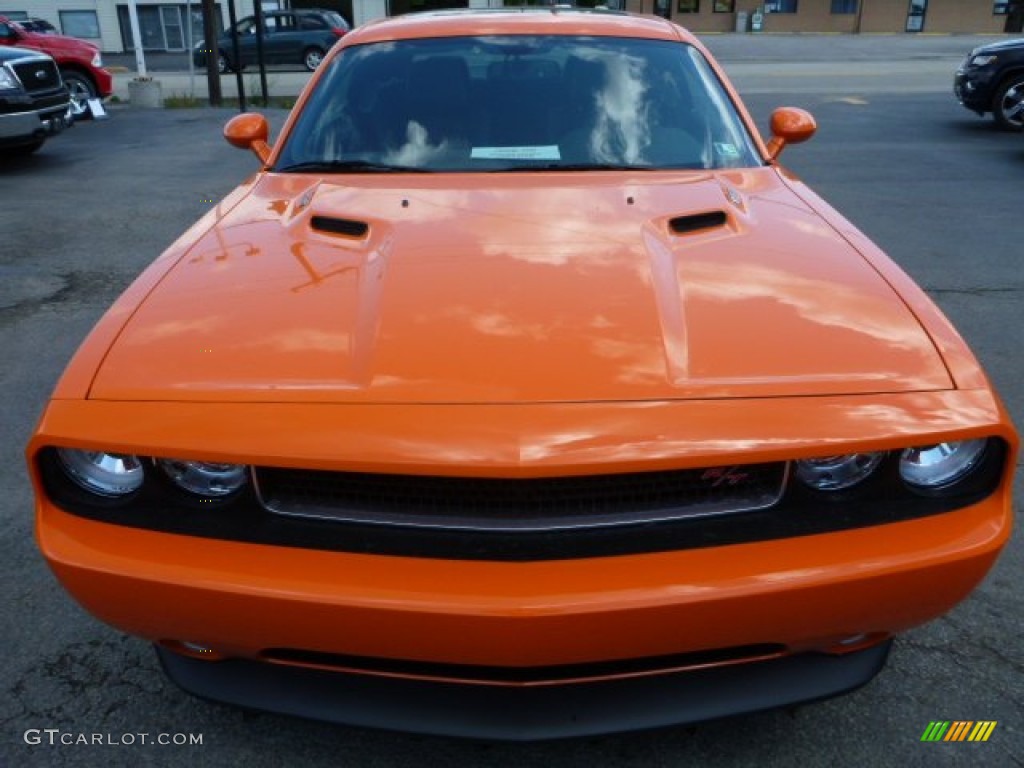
[(246, 41), (280, 38)]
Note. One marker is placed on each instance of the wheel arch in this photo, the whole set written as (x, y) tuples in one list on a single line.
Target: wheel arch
[(78, 69)]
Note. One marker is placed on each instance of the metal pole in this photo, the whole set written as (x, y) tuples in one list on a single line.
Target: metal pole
[(140, 57), (258, 10), (860, 15), (190, 47), (210, 36), (233, 20)]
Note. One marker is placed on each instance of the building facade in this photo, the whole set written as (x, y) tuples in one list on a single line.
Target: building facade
[(173, 26), (164, 26), (845, 16)]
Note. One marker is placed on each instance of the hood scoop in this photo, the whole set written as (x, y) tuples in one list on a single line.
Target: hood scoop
[(336, 226), (695, 222)]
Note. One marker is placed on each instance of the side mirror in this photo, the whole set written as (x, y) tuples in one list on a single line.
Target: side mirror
[(249, 131), (789, 126)]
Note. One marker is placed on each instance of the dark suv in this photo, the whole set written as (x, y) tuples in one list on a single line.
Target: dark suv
[(34, 104), (991, 79), (289, 37)]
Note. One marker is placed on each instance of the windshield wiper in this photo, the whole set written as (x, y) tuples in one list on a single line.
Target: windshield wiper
[(348, 166)]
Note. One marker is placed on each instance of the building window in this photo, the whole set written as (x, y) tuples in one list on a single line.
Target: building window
[(844, 6), (689, 6), (82, 24), (780, 6), (998, 8), (728, 6), (165, 27)]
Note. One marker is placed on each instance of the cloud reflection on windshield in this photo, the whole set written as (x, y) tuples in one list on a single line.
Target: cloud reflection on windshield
[(620, 132)]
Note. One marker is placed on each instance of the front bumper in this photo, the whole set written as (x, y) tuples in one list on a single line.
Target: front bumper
[(262, 602), (469, 623), (104, 80), (29, 126), (974, 89), (526, 713)]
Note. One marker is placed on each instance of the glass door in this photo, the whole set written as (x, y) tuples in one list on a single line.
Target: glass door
[(915, 15), (174, 35)]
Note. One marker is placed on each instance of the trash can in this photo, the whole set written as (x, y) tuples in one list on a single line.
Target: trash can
[(757, 21), (742, 19)]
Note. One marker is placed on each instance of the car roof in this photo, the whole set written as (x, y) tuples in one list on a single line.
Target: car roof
[(518, 21)]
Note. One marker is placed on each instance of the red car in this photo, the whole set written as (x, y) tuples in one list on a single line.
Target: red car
[(80, 63)]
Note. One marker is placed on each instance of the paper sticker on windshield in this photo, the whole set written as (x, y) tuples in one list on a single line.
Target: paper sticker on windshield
[(516, 153), (726, 150)]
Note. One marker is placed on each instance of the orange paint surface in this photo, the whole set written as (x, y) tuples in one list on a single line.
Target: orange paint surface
[(522, 325)]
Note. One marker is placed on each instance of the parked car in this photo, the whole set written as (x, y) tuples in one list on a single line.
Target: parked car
[(991, 79), (299, 37), (80, 63), (522, 393), (34, 104)]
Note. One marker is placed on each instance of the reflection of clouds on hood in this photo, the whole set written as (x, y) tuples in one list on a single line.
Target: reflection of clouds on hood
[(815, 298), (620, 134), (417, 150)]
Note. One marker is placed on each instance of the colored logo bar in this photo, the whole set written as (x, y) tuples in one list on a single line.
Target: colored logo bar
[(958, 730)]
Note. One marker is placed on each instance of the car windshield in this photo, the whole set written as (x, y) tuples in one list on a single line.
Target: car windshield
[(38, 26), (517, 103)]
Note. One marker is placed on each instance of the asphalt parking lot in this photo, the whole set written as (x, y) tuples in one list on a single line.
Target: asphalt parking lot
[(936, 187)]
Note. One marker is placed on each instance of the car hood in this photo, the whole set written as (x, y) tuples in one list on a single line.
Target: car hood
[(519, 288), (1002, 45), (10, 53), (58, 44)]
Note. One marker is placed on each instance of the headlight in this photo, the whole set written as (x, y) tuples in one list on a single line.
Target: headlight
[(933, 467), (7, 81), (205, 478), (835, 473), (982, 60), (112, 475)]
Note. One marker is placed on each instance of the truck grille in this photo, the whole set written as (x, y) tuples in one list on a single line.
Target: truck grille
[(37, 75), (523, 505)]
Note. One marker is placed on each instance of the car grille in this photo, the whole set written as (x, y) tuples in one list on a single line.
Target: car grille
[(526, 676), (37, 75), (532, 504)]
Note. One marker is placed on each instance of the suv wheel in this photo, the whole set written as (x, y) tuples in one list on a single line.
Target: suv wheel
[(1008, 104)]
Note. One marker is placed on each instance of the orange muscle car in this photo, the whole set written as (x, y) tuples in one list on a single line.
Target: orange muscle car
[(521, 393)]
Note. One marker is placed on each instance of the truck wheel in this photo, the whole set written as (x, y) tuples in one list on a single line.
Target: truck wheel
[(81, 89)]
